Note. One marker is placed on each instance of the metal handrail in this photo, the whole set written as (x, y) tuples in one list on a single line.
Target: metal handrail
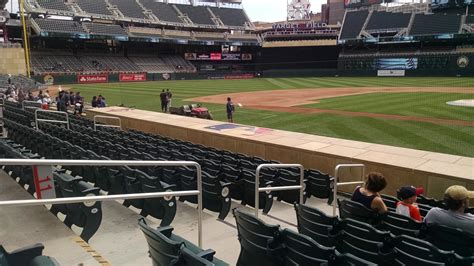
[(108, 117), (50, 120), (37, 162), (2, 124), (258, 189), (336, 184), (25, 103)]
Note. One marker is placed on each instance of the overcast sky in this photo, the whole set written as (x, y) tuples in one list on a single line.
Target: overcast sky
[(258, 10)]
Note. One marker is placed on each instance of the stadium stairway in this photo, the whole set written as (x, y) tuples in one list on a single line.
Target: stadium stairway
[(35, 224)]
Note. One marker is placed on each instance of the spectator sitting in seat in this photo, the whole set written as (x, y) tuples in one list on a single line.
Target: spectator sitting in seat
[(407, 206), (457, 200), (79, 103), (369, 195), (72, 99), (101, 102), (30, 97), (46, 97), (64, 102), (94, 102)]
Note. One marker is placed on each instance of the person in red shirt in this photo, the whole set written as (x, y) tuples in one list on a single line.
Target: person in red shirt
[(407, 206)]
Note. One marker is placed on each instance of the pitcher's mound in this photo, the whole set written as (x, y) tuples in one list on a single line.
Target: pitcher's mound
[(464, 103)]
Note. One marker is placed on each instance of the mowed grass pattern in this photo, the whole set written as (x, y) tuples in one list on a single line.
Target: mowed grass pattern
[(417, 135), (422, 104)]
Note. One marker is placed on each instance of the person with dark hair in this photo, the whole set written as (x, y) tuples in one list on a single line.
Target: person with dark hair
[(72, 99), (58, 100), (369, 195), (64, 101), (230, 109), (407, 205), (94, 102), (164, 100), (457, 201), (101, 101), (79, 103)]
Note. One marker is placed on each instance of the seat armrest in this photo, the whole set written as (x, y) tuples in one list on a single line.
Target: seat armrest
[(225, 184), (24, 255), (167, 186), (207, 254)]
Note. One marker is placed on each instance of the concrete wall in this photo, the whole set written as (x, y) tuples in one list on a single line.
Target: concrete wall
[(401, 166), (12, 61)]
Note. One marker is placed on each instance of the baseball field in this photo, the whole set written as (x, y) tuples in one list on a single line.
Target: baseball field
[(404, 112)]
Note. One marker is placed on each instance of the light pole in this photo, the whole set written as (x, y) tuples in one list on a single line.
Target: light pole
[(25, 36)]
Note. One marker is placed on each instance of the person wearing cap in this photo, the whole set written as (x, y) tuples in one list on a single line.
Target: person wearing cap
[(457, 200), (407, 206)]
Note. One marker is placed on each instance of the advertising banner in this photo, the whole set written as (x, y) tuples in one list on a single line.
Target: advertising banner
[(98, 78), (241, 76), (190, 56), (231, 57), (216, 56), (391, 73), (396, 63), (132, 77)]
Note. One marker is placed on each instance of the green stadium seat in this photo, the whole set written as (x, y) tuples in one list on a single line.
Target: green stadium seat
[(450, 239), (165, 247), (315, 224), (413, 251), (28, 256), (354, 210), (364, 241), (302, 250), (399, 224), (260, 243)]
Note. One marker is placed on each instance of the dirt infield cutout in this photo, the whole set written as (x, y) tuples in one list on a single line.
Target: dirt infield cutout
[(290, 101)]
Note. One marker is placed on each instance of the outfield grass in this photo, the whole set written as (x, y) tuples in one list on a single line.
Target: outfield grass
[(424, 136), (422, 104)]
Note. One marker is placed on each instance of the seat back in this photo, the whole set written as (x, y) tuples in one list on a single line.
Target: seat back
[(414, 251), (350, 260), (450, 239), (390, 202), (260, 243), (162, 248), (399, 224), (302, 250), (364, 241), (315, 224), (290, 177), (188, 258), (318, 184), (357, 211)]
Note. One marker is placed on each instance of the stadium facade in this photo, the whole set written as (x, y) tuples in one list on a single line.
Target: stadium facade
[(121, 40)]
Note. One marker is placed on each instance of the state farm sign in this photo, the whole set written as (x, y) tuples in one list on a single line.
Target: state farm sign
[(100, 78), (132, 77)]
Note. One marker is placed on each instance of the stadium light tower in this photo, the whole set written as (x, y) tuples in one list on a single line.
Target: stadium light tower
[(298, 10)]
